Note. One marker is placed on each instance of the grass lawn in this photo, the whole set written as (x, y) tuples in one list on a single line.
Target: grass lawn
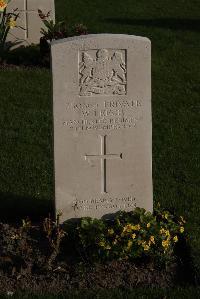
[(186, 293), (26, 155)]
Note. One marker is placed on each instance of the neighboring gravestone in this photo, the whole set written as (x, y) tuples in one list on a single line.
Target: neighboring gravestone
[(29, 20), (102, 124)]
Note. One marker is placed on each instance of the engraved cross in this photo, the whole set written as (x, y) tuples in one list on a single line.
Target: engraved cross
[(26, 12), (103, 157)]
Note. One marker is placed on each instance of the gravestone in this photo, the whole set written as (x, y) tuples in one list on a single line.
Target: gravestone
[(29, 20), (102, 124)]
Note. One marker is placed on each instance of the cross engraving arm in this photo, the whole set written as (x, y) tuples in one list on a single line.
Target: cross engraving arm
[(103, 156)]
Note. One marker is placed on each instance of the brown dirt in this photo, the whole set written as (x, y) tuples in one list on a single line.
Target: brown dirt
[(116, 274)]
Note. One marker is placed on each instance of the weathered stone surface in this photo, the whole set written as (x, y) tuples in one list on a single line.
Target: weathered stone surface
[(102, 124), (29, 20)]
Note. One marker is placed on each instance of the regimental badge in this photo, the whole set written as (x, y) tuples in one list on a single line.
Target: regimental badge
[(102, 72)]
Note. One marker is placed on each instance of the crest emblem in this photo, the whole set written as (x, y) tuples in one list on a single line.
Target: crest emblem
[(102, 72)]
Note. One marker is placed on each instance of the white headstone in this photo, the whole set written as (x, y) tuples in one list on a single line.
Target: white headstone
[(102, 124), (29, 20)]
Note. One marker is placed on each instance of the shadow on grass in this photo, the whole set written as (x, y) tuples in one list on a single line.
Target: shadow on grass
[(170, 23), (185, 273), (14, 208), (26, 56)]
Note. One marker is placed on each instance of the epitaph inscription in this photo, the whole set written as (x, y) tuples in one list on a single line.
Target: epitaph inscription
[(102, 72), (105, 203)]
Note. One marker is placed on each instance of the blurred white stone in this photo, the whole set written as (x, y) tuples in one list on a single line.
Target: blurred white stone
[(29, 20)]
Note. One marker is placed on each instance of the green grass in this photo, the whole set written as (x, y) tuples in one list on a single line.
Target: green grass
[(185, 293), (26, 156)]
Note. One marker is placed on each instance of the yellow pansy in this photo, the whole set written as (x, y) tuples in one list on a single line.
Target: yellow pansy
[(152, 239), (165, 232), (133, 236), (166, 214), (115, 242), (130, 243), (146, 247), (136, 227), (110, 231), (182, 219), (3, 5), (181, 229), (162, 231), (175, 239), (165, 243), (128, 228), (107, 247), (11, 23), (102, 243)]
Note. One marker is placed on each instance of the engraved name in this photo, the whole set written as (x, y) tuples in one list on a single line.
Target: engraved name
[(108, 115), (122, 103)]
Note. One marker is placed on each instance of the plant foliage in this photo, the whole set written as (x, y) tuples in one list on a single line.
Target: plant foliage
[(132, 235)]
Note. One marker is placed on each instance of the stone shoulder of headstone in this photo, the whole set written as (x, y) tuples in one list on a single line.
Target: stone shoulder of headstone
[(102, 35), (102, 124), (29, 20)]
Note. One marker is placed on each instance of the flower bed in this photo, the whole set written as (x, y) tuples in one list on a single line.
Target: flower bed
[(135, 248)]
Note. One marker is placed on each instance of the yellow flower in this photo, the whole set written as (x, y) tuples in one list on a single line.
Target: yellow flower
[(162, 231), (136, 227), (126, 228), (182, 219), (146, 247), (110, 231), (107, 247), (129, 228), (165, 243), (148, 225), (133, 236), (175, 239), (130, 243), (166, 215), (181, 229), (102, 243), (165, 232), (115, 242), (152, 239), (3, 5), (11, 23), (139, 242)]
